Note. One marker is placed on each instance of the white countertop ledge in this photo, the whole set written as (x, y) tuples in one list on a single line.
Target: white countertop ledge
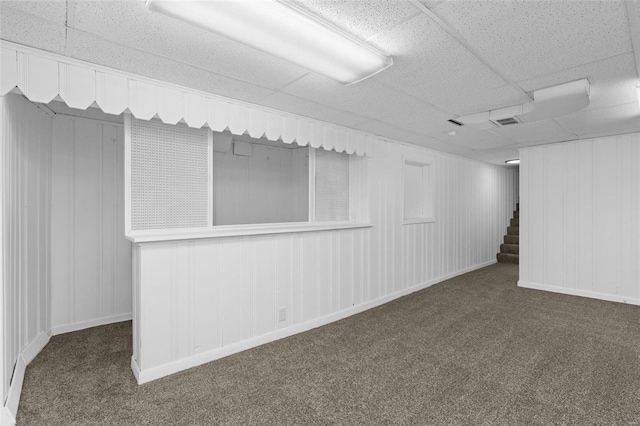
[(241, 231)]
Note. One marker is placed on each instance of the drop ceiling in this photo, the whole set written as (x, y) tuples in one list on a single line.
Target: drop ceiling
[(452, 58)]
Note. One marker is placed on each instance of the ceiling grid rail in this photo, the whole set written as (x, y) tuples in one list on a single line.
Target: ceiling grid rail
[(634, 29)]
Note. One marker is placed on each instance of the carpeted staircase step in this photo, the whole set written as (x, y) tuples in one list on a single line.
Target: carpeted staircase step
[(516, 214), (508, 258), (515, 222), (513, 230), (510, 248), (512, 239)]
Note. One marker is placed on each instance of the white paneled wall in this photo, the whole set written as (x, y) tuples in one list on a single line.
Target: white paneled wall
[(269, 186), (91, 258), (580, 218), (198, 300), (25, 165)]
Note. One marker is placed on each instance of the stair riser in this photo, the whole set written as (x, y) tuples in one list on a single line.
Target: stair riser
[(508, 258), (515, 222), (513, 230), (511, 239), (510, 248), (516, 214)]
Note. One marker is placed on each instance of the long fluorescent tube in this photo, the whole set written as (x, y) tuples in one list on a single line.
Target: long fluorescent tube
[(514, 161), (284, 30)]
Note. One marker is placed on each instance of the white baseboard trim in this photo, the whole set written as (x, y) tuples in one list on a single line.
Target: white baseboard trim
[(148, 375), (135, 369), (6, 419), (581, 293), (10, 410), (67, 328), (38, 344)]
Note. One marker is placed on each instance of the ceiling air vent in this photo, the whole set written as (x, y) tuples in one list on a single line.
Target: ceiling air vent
[(506, 121)]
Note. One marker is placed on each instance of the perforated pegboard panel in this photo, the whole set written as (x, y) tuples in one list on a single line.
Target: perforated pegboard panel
[(332, 186), (169, 176)]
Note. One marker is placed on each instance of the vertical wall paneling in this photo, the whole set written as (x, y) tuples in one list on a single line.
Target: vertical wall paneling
[(230, 290), (525, 239), (25, 158), (261, 188), (570, 219), (553, 219), (91, 259), (236, 286), (535, 213), (579, 218), (4, 384), (606, 205), (584, 244)]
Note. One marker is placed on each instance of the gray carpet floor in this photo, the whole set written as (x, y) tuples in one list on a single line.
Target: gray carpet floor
[(472, 350)]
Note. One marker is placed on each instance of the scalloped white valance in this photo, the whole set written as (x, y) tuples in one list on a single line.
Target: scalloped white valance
[(42, 77)]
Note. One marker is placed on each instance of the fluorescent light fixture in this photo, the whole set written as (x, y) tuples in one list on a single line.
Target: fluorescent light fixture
[(282, 29), (514, 161)]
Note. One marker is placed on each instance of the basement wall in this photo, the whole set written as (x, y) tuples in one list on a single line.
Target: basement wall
[(91, 258), (579, 218), (199, 300), (25, 168), (269, 186)]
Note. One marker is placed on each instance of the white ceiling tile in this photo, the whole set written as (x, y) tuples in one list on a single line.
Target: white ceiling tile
[(547, 141), (31, 31), (498, 156), (476, 139), (432, 129), (362, 18), (368, 98), (390, 131), (399, 134), (131, 24), (633, 129), (546, 130), (431, 65), (610, 120), (480, 100), (306, 108), (96, 50), (608, 69), (50, 10), (524, 39)]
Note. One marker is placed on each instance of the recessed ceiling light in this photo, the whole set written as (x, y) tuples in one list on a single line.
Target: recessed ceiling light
[(282, 29), (514, 161)]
